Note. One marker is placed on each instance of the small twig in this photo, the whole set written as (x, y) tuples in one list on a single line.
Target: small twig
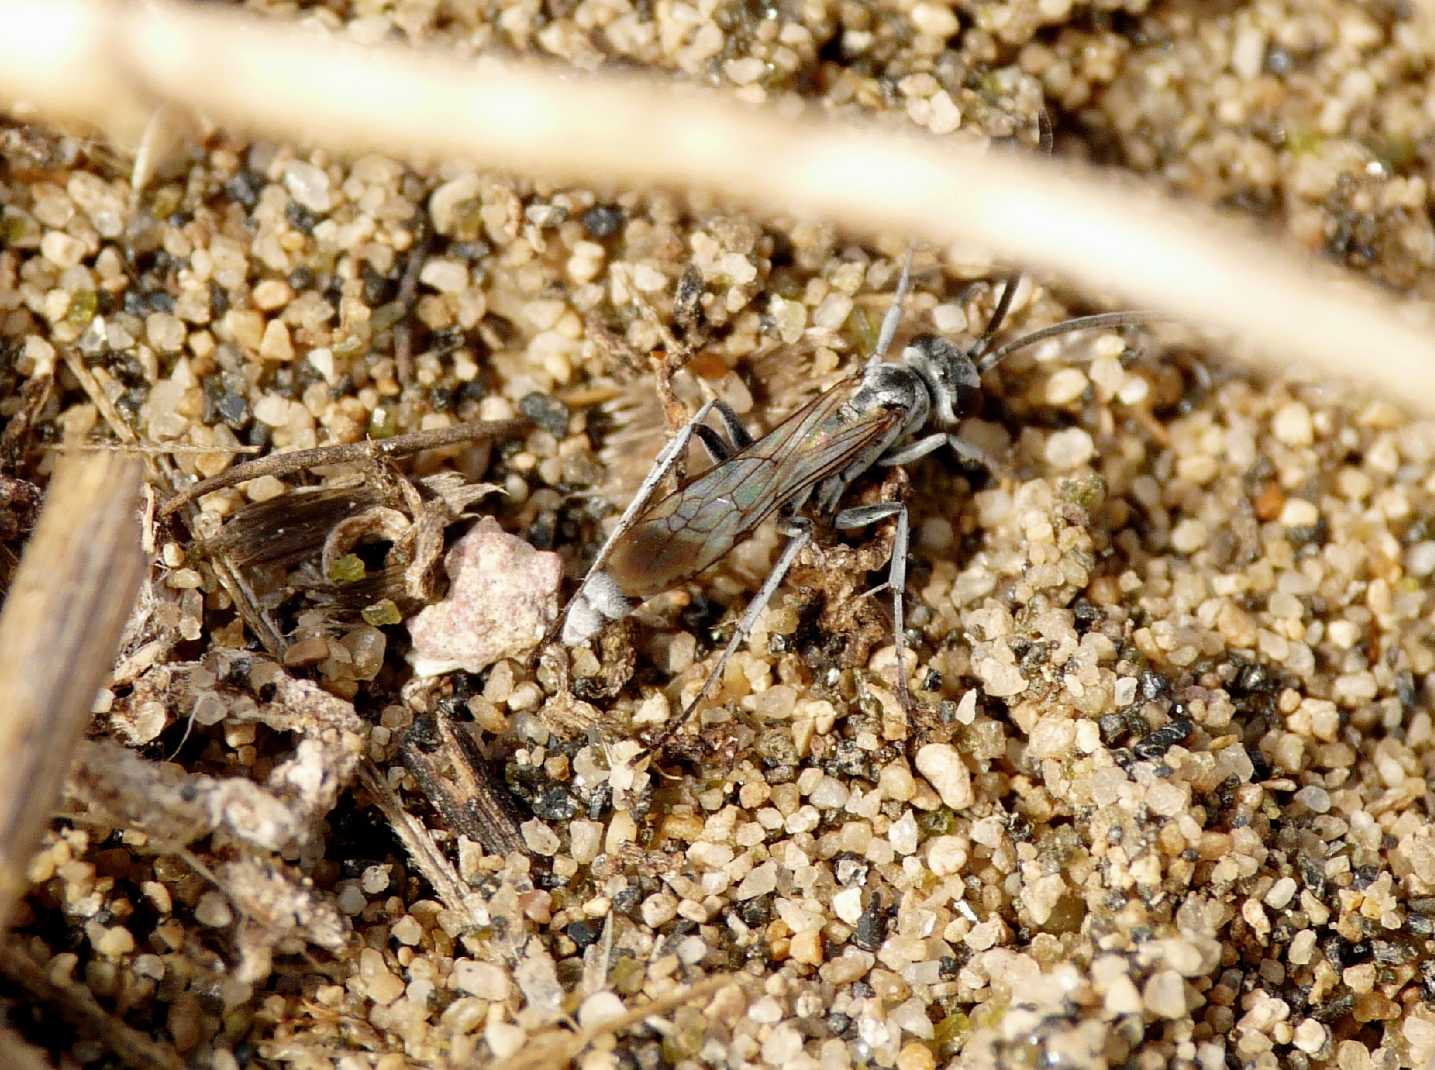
[(73, 591), (285, 464)]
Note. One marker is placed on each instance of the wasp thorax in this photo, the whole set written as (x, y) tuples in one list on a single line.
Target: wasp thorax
[(950, 375)]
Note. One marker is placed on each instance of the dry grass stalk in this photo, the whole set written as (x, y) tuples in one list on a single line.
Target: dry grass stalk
[(284, 464), (428, 858), (61, 624), (114, 64)]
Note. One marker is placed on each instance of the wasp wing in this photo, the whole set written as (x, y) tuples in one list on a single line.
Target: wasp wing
[(696, 525), (782, 379)]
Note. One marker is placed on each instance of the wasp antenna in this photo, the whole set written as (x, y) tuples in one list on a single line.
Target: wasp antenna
[(1046, 143), (1009, 285), (1080, 323), (894, 313)]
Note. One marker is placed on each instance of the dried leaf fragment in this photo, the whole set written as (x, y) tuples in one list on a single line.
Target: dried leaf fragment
[(502, 596)]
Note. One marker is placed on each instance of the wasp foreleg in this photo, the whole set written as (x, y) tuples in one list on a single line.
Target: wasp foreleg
[(861, 516), (893, 317), (972, 454)]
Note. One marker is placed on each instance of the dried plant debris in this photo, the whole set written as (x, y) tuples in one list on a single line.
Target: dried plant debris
[(286, 530), (371, 451), (459, 783), (275, 915), (318, 540), (1165, 797), (177, 807)]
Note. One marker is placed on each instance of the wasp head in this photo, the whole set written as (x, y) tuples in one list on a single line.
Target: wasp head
[(950, 375)]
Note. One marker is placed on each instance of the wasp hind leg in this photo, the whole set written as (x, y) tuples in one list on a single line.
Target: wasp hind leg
[(718, 448), (862, 516), (799, 532), (737, 432)]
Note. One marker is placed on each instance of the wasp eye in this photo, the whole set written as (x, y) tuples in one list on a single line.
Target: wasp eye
[(968, 398)]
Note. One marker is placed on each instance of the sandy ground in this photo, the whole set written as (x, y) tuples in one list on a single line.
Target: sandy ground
[(1163, 802)]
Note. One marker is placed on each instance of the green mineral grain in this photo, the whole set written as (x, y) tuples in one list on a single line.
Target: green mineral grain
[(383, 423), (949, 1033), (83, 304), (381, 613), (347, 569)]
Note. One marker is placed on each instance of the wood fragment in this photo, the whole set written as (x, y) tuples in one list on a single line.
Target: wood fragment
[(456, 780), (286, 464), (426, 856), (59, 632)]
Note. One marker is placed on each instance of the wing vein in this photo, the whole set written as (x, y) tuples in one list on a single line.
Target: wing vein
[(696, 525)]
